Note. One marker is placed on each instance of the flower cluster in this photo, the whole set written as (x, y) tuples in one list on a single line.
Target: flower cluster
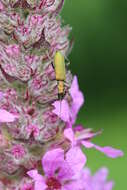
[(66, 172), (64, 168), (30, 34), (40, 146)]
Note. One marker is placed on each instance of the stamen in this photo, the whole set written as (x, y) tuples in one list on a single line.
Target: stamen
[(53, 184)]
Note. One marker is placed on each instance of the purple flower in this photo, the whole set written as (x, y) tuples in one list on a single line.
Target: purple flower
[(96, 182), (60, 170), (68, 112), (5, 116), (83, 138)]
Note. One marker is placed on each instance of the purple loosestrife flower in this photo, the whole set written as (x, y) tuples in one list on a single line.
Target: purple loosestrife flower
[(83, 181), (69, 110), (60, 170), (98, 181), (83, 137), (68, 114)]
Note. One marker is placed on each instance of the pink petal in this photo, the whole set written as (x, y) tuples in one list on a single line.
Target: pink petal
[(109, 185), (85, 134), (101, 175), (74, 90), (52, 161), (40, 185), (65, 173), (107, 150), (5, 116), (69, 134), (76, 159), (38, 180), (62, 110), (35, 175), (74, 185), (87, 144), (77, 96), (100, 179)]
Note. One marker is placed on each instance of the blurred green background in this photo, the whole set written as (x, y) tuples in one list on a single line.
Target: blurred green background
[(99, 58)]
